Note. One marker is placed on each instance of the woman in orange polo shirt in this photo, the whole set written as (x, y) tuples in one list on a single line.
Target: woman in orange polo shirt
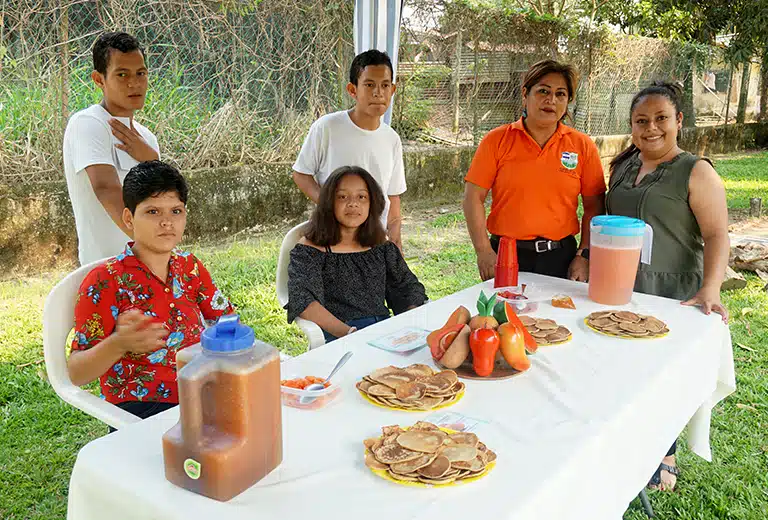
[(536, 168)]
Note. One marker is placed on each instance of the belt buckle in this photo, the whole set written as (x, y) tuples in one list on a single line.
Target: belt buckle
[(547, 246)]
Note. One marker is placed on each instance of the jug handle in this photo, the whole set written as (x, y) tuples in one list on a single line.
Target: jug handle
[(645, 254), (196, 376)]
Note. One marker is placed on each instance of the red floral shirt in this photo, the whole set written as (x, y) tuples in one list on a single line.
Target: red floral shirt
[(182, 303)]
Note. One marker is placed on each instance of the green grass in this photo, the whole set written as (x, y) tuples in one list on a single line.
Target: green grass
[(40, 435), (744, 177)]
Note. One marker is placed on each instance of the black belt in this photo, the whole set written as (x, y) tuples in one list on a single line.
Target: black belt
[(539, 245)]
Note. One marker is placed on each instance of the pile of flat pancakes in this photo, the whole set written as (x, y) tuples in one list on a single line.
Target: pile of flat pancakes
[(426, 454), (415, 387), (546, 332), (625, 324)]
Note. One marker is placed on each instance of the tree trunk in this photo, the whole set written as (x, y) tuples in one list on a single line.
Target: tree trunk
[(689, 112), (475, 121), (457, 84), (763, 116), (741, 114), (728, 95), (64, 56), (341, 71)]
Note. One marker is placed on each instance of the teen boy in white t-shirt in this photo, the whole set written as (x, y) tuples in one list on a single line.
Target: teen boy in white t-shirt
[(358, 137), (103, 142)]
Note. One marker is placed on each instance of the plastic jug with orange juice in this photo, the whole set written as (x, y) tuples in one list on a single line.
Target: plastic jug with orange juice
[(229, 435), (617, 246)]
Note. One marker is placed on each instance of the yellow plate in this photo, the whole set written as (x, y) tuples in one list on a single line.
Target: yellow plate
[(383, 473), (459, 396), (590, 327)]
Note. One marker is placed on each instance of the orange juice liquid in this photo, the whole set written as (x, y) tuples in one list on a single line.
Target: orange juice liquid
[(612, 274), (240, 433)]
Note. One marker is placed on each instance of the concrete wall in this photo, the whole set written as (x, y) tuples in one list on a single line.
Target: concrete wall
[(37, 229), (706, 141)]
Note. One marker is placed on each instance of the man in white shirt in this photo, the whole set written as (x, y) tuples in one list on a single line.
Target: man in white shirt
[(103, 142), (358, 137)]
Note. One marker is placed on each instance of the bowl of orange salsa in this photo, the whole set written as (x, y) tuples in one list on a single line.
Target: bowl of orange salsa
[(293, 388)]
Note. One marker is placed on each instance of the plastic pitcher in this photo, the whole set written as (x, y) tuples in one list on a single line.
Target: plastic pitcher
[(617, 245), (229, 435), (507, 267)]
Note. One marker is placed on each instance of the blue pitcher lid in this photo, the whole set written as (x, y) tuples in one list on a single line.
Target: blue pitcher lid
[(228, 335), (615, 225)]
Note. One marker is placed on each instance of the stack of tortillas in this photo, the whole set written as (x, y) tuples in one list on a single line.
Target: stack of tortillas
[(626, 324), (415, 387), (426, 455), (546, 332)]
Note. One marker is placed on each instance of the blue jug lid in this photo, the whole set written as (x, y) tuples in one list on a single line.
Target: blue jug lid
[(228, 335), (617, 226)]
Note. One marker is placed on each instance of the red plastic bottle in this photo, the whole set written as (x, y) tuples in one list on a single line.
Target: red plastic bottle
[(506, 263)]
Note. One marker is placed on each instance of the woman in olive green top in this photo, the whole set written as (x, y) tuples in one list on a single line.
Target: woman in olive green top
[(683, 199)]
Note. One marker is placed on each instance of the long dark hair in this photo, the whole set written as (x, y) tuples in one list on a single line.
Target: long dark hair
[(671, 91), (323, 226)]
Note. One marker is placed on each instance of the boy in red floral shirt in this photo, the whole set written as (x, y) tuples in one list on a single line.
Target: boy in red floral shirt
[(134, 312)]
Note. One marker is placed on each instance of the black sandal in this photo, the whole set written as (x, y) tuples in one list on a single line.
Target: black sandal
[(656, 478)]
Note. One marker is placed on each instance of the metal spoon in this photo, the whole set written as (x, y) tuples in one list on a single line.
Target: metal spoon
[(320, 386)]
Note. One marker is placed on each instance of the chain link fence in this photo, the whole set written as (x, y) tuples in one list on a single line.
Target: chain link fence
[(230, 83), (461, 70), (240, 81)]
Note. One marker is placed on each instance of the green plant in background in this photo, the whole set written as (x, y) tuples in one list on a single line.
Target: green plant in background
[(413, 107)]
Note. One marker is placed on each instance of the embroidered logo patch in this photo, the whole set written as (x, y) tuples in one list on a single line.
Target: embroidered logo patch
[(570, 160)]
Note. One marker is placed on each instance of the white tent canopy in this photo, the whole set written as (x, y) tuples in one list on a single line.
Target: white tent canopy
[(377, 26)]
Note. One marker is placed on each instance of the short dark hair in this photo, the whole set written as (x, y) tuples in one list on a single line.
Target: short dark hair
[(541, 68), (149, 179), (672, 91), (371, 57), (323, 226), (104, 45)]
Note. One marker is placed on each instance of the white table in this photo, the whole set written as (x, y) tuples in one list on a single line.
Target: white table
[(577, 436)]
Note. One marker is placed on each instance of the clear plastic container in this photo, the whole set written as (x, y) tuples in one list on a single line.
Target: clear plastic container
[(229, 434), (533, 298), (310, 399)]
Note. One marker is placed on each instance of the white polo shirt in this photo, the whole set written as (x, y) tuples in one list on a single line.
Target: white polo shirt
[(88, 140), (335, 140)]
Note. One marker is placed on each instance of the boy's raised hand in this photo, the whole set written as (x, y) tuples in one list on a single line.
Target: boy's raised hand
[(139, 334), (133, 143)]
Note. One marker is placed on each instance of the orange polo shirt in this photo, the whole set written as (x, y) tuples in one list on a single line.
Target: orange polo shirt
[(535, 192)]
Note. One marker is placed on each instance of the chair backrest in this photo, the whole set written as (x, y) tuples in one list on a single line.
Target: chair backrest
[(58, 320), (290, 240)]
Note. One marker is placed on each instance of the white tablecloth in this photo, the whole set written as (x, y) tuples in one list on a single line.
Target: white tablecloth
[(577, 436)]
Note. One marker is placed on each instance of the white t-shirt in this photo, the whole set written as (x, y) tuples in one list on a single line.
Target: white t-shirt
[(335, 140), (88, 140)]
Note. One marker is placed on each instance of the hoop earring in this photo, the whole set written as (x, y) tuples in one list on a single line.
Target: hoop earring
[(525, 112)]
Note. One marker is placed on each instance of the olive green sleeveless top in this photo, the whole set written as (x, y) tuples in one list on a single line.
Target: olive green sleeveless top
[(661, 200)]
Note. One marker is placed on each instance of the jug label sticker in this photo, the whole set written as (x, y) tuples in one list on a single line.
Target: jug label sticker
[(570, 160), (192, 469)]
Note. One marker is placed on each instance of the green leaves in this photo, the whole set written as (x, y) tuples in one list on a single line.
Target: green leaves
[(485, 305)]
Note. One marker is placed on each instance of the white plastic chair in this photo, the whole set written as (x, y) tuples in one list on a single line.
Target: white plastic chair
[(311, 329), (58, 321)]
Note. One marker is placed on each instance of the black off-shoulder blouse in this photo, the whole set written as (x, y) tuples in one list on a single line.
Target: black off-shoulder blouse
[(352, 285)]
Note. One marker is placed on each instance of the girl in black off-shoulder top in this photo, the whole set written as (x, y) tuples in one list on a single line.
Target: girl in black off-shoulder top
[(345, 273)]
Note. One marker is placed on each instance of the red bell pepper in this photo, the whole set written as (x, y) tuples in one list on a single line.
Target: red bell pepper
[(484, 343)]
